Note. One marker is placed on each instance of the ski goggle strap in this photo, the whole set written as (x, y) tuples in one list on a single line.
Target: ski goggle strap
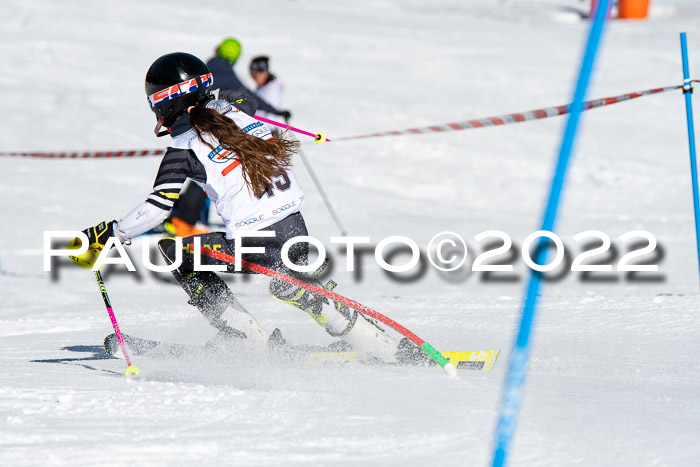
[(180, 89)]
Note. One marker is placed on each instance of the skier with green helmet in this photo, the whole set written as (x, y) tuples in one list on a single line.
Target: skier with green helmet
[(221, 66)]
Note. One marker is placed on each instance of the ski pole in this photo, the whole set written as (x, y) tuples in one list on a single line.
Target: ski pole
[(131, 370), (424, 346), (319, 137), (322, 192)]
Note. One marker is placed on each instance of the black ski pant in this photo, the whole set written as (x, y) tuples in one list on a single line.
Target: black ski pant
[(289, 227), (206, 290)]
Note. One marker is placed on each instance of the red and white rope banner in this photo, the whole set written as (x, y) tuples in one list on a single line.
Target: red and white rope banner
[(87, 155), (514, 117), (455, 126)]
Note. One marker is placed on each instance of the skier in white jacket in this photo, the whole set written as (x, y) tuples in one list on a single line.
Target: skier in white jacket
[(269, 88)]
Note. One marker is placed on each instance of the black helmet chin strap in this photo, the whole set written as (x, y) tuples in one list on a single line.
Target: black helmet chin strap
[(157, 129)]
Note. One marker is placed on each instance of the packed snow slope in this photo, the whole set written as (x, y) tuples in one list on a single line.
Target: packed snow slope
[(614, 376)]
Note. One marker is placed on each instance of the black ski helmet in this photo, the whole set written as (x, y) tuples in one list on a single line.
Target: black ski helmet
[(261, 63), (175, 82)]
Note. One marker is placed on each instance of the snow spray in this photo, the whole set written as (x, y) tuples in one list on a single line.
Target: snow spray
[(426, 347)]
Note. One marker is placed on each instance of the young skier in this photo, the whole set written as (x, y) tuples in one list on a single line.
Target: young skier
[(248, 176), (192, 205), (221, 67), (269, 88)]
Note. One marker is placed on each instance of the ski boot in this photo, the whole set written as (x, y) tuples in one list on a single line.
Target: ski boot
[(339, 320), (237, 329), (370, 341), (300, 298), (214, 300), (212, 297)]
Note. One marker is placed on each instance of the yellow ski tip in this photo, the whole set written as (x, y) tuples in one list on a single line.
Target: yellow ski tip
[(473, 360)]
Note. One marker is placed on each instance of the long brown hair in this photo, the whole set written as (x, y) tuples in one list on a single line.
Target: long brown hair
[(261, 160)]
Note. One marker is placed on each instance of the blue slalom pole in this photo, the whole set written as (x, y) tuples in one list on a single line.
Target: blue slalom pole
[(688, 92), (515, 379)]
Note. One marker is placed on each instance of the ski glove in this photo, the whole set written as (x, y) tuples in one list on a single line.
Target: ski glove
[(286, 115), (97, 238)]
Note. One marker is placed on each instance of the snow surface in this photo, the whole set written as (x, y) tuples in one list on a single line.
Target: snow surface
[(614, 376)]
